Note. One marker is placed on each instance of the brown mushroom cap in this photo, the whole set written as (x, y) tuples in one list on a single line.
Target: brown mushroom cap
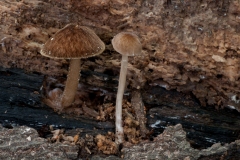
[(127, 43), (73, 42)]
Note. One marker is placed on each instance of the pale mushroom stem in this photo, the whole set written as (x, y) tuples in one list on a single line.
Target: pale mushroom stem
[(118, 114), (72, 83)]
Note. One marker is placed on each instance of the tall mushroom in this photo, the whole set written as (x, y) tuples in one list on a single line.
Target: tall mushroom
[(72, 42), (127, 44)]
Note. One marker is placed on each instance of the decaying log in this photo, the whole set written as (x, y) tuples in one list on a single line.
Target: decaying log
[(23, 142), (204, 125), (139, 108), (21, 103), (191, 46), (172, 144)]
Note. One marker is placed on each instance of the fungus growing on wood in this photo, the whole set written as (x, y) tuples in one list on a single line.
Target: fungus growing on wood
[(127, 44), (72, 42)]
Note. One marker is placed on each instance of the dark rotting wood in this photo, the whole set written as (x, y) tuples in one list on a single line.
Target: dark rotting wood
[(21, 97), (204, 125)]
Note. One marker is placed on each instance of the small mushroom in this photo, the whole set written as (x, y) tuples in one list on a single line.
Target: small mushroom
[(127, 44), (72, 42)]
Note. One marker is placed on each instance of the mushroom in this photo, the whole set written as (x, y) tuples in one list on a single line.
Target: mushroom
[(127, 44), (72, 42)]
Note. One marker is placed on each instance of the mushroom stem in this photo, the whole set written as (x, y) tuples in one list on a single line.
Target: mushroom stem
[(72, 83), (121, 86)]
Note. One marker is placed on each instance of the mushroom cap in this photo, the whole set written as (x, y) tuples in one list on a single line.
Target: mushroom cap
[(127, 43), (73, 42)]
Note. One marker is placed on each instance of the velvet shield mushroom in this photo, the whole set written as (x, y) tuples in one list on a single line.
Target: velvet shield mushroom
[(127, 44), (72, 42)]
